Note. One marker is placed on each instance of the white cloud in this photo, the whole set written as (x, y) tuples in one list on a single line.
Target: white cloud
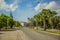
[(37, 7), (53, 6), (13, 7), (50, 5), (5, 6), (40, 6)]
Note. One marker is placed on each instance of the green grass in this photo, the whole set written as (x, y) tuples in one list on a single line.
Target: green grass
[(53, 32), (49, 31)]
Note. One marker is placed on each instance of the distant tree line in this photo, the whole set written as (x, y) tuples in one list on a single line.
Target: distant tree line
[(8, 22), (46, 19)]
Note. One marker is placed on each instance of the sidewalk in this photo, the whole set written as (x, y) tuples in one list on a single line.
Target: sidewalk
[(8, 35), (13, 35)]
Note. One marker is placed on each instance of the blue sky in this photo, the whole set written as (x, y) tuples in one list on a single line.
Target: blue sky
[(22, 9)]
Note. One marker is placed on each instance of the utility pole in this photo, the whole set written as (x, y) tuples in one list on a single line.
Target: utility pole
[(11, 22), (11, 15)]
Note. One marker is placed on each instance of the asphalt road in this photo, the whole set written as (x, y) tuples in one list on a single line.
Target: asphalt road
[(33, 35), (26, 34)]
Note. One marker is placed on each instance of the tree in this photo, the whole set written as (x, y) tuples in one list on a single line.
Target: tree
[(3, 19), (0, 23), (7, 21), (45, 17), (56, 22), (17, 24), (10, 22)]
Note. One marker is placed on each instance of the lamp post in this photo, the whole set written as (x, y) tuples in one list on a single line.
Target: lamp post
[(11, 21)]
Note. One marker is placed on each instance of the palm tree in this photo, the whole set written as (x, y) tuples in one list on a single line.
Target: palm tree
[(47, 14)]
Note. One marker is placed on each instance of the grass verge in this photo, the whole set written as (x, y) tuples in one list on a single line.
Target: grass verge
[(48, 31), (51, 32)]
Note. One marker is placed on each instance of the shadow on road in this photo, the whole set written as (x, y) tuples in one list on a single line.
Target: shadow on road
[(8, 30), (13, 29), (1, 33)]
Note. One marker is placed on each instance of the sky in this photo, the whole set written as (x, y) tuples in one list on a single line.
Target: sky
[(23, 9)]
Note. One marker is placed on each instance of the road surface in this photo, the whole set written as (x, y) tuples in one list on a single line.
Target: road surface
[(26, 34), (33, 35)]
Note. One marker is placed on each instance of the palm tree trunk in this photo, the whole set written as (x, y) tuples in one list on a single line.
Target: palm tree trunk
[(37, 25), (51, 23), (44, 24)]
